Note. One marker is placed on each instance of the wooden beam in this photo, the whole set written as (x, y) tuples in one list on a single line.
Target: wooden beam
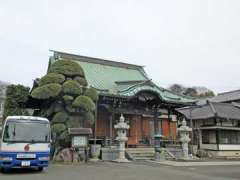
[(155, 117), (111, 128)]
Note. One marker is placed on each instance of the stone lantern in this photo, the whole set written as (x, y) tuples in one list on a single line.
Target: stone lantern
[(121, 128), (184, 131)]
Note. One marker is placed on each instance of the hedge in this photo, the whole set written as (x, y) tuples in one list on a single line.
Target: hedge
[(66, 67), (51, 78), (47, 91), (84, 102), (72, 87), (92, 93)]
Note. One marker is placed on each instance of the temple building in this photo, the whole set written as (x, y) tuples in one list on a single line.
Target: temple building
[(126, 89)]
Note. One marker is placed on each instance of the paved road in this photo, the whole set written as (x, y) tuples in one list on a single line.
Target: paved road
[(132, 171)]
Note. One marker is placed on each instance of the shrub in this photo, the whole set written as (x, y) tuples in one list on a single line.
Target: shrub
[(17, 93), (66, 67), (70, 109), (90, 117), (51, 78), (47, 91), (58, 128), (16, 98), (73, 123), (82, 81), (72, 87), (92, 93), (84, 102), (65, 139), (68, 99), (60, 117), (58, 107)]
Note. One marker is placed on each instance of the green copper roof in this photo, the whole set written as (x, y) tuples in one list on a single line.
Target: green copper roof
[(164, 94), (115, 78), (103, 77)]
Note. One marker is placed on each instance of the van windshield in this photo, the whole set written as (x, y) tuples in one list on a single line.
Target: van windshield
[(27, 132)]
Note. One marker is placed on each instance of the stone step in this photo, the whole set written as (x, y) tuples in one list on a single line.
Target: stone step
[(141, 153), (144, 158), (139, 149)]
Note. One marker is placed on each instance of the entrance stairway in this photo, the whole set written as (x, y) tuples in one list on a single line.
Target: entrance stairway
[(170, 153), (140, 153)]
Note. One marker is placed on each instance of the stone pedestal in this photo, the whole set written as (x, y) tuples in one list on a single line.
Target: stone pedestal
[(121, 128), (95, 152)]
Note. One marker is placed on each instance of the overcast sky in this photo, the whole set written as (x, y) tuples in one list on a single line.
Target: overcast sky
[(191, 42)]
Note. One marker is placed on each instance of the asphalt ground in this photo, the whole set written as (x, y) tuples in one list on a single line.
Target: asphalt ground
[(128, 171)]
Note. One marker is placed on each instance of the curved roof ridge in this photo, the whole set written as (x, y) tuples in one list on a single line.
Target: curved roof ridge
[(181, 95), (135, 85)]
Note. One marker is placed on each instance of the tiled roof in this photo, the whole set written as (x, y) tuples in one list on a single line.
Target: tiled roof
[(226, 97), (116, 78), (211, 110)]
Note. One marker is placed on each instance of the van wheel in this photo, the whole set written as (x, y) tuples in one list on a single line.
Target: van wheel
[(40, 169), (3, 170)]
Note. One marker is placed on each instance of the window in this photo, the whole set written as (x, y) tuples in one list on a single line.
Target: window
[(209, 137), (28, 132), (229, 137)]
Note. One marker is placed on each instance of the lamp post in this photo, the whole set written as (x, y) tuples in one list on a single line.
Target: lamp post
[(121, 128)]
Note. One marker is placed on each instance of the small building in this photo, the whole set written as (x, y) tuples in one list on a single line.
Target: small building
[(216, 128), (126, 89)]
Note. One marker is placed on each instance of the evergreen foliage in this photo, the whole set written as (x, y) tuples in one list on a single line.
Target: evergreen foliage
[(58, 128), (72, 123), (72, 103), (51, 78), (84, 102), (82, 81), (67, 99), (72, 87), (67, 68), (16, 97), (60, 117), (92, 93), (65, 139), (90, 117), (47, 91)]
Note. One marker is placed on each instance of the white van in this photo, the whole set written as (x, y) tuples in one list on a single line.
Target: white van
[(25, 142)]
